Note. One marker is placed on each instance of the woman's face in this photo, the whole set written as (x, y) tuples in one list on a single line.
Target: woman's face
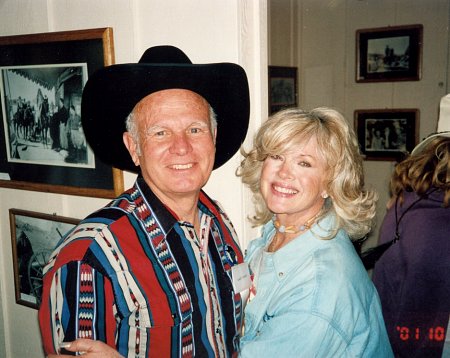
[(293, 183)]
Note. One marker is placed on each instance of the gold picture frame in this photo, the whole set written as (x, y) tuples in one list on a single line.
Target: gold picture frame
[(42, 144)]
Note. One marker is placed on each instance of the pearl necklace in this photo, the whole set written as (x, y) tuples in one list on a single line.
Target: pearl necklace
[(294, 229)]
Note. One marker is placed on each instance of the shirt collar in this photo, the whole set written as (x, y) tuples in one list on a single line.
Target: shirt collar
[(163, 214), (288, 257)]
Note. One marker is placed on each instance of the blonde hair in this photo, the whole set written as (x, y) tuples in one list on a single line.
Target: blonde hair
[(425, 170), (354, 207)]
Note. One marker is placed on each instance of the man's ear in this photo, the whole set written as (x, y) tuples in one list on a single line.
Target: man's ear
[(132, 147)]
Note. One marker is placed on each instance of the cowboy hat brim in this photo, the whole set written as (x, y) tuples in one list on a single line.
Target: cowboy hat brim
[(111, 93)]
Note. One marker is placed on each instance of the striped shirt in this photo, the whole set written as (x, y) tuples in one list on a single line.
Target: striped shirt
[(135, 277)]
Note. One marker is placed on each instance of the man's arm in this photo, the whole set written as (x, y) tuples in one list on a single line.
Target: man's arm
[(88, 348), (71, 303)]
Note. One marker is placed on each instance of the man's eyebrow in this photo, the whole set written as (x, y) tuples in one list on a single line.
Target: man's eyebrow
[(150, 128), (203, 123)]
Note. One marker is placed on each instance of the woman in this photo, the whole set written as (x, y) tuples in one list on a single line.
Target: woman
[(311, 296), (413, 275)]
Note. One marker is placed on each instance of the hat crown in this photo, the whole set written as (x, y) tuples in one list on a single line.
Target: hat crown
[(164, 55)]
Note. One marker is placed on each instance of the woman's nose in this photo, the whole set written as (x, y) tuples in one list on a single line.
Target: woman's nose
[(285, 171)]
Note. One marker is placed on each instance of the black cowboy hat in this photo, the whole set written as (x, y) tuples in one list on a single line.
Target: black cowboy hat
[(111, 93)]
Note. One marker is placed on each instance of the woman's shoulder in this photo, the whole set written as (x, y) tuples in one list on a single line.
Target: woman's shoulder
[(339, 262)]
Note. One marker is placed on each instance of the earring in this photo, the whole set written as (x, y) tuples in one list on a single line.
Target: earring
[(324, 195)]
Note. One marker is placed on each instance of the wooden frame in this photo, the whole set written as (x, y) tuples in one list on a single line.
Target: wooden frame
[(387, 134), (282, 88), (389, 54), (42, 145), (33, 237)]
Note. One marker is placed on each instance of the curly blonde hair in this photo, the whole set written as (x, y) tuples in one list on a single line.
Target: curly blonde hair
[(354, 206), (425, 170)]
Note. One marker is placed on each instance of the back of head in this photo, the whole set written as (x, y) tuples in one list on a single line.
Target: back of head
[(429, 168)]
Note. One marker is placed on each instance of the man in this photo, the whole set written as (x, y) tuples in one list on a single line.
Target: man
[(75, 137), (151, 274), (59, 119)]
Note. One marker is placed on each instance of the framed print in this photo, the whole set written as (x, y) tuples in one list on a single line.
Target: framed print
[(389, 54), (282, 88), (387, 134), (42, 144), (33, 238)]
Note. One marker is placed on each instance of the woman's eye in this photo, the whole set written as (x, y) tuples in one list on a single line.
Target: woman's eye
[(304, 164), (275, 157)]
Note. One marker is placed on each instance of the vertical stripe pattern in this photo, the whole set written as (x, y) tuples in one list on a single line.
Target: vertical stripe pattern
[(143, 282)]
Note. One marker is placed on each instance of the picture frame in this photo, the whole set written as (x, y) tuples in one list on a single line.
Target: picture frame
[(387, 134), (282, 88), (42, 144), (33, 237), (389, 54)]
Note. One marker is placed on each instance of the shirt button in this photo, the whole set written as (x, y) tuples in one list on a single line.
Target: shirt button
[(280, 274)]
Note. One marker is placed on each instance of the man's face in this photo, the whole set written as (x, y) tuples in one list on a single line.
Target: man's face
[(176, 144)]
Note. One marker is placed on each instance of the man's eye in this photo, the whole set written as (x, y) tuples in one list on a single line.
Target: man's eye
[(159, 133), (197, 130)]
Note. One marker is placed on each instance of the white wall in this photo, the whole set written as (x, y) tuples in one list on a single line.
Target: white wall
[(208, 31)]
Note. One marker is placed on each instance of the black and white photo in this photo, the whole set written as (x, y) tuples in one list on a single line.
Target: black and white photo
[(282, 88), (41, 111), (33, 238), (389, 54), (386, 134)]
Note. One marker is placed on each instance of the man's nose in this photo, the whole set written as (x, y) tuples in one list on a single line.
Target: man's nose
[(181, 144)]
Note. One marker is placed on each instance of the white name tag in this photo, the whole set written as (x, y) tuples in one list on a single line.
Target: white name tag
[(241, 277)]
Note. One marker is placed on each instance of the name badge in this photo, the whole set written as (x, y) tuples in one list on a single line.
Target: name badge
[(241, 277)]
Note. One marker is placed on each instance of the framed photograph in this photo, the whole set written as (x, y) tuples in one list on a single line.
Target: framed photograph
[(33, 238), (282, 88), (42, 144), (387, 134), (389, 54)]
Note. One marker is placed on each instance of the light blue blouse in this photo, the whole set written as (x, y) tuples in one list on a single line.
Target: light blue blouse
[(313, 299)]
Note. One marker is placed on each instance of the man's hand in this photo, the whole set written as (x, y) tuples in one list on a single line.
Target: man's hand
[(88, 348)]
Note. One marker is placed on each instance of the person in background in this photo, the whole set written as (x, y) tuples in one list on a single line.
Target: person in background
[(413, 275), (311, 296), (60, 116), (75, 137), (153, 272)]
